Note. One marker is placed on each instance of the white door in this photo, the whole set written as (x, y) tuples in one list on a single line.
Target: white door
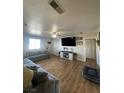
[(91, 48)]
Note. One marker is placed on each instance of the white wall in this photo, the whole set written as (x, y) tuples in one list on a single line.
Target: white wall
[(79, 49), (44, 45), (91, 48)]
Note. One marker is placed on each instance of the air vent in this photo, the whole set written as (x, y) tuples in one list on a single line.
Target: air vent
[(54, 4)]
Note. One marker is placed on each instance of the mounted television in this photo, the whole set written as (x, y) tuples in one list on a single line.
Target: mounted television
[(68, 41)]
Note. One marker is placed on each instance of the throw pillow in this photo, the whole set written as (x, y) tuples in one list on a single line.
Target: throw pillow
[(27, 77), (38, 78)]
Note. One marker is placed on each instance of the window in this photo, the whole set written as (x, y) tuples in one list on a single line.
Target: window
[(34, 43)]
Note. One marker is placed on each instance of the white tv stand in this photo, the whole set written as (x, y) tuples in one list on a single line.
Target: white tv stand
[(66, 55)]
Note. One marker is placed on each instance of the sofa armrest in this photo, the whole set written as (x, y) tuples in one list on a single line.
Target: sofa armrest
[(53, 80), (49, 86)]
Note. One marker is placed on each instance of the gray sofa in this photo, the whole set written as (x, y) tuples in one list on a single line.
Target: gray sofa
[(51, 85), (36, 55)]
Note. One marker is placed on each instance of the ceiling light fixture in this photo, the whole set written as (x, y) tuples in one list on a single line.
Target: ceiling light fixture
[(54, 36)]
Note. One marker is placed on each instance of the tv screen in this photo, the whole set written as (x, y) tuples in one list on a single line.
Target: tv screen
[(69, 41)]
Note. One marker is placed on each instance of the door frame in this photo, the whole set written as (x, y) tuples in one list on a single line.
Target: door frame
[(85, 46)]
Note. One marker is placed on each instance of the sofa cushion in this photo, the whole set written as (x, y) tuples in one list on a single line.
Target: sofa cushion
[(49, 86), (29, 63), (34, 68), (32, 53), (38, 57), (38, 78)]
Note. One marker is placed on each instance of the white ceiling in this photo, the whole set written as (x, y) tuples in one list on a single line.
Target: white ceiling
[(79, 16)]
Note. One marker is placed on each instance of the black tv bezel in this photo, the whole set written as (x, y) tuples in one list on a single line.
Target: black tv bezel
[(73, 45)]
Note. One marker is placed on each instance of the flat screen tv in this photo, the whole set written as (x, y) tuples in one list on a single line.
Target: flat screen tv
[(68, 41)]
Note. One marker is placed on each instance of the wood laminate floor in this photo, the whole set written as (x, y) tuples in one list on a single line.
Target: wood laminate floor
[(69, 75)]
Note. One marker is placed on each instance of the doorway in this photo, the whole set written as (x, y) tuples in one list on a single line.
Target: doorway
[(90, 49)]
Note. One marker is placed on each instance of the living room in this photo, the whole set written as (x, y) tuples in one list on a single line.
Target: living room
[(66, 39), (49, 61), (35, 55), (61, 46)]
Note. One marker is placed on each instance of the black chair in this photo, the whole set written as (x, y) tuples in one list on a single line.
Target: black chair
[(91, 74)]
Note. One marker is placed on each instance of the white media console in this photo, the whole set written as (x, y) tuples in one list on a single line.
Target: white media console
[(66, 55)]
